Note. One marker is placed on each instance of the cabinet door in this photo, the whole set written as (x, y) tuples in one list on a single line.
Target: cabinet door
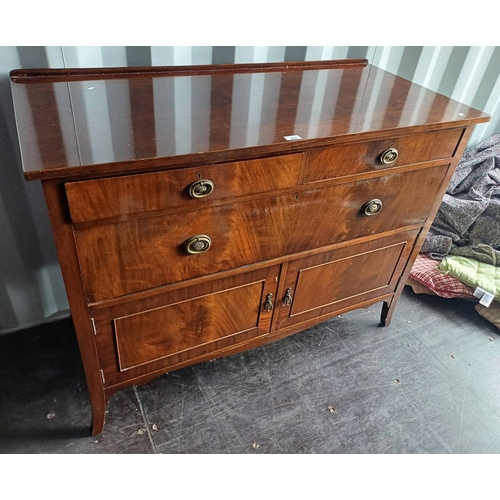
[(186, 325), (325, 283)]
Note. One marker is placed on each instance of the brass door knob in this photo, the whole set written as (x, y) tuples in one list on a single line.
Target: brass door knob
[(372, 207), (197, 244), (200, 188), (389, 156)]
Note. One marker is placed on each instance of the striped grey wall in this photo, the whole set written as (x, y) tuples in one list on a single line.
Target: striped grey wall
[(31, 287)]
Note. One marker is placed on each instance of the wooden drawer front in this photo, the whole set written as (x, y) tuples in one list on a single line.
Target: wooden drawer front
[(104, 198), (324, 283), (189, 323), (350, 159), (122, 258)]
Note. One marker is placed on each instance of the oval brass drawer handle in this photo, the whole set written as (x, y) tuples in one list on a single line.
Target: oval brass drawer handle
[(389, 156), (197, 244), (372, 207), (200, 188)]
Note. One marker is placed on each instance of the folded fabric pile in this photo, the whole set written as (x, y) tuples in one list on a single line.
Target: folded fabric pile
[(468, 219), (462, 249), (425, 272)]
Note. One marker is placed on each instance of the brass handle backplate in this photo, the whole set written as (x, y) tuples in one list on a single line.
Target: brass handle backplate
[(268, 305), (197, 244), (372, 207), (389, 156), (287, 299), (201, 188)]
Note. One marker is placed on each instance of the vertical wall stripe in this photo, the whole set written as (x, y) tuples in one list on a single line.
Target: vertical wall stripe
[(318, 53), (244, 54), (201, 55), (426, 65), (114, 56), (138, 56), (162, 56), (83, 57), (492, 106), (261, 54), (295, 54), (388, 58), (488, 81), (276, 54), (223, 54), (33, 57), (472, 71), (182, 56), (436, 75), (453, 70), (54, 57), (339, 53), (409, 61), (357, 52)]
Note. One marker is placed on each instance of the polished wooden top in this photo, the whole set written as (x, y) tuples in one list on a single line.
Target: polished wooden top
[(95, 122)]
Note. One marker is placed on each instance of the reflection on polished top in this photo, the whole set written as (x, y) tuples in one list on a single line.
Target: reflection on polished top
[(77, 122)]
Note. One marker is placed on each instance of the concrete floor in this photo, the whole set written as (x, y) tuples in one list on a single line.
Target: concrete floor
[(429, 383)]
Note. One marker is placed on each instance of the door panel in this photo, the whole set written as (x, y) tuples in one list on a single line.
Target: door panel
[(324, 283), (189, 325), (179, 326)]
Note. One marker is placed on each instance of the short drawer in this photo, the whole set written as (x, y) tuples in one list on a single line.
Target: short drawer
[(127, 257), (359, 158), (189, 188)]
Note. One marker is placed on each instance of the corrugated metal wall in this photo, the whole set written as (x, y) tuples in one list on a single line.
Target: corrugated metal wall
[(31, 287)]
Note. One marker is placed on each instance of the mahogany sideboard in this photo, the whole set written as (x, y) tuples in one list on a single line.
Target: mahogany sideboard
[(199, 211)]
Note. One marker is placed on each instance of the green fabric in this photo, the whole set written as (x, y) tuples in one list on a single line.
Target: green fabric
[(473, 273)]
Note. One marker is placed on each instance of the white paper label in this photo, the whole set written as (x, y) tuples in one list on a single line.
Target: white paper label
[(486, 298), (292, 137)]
